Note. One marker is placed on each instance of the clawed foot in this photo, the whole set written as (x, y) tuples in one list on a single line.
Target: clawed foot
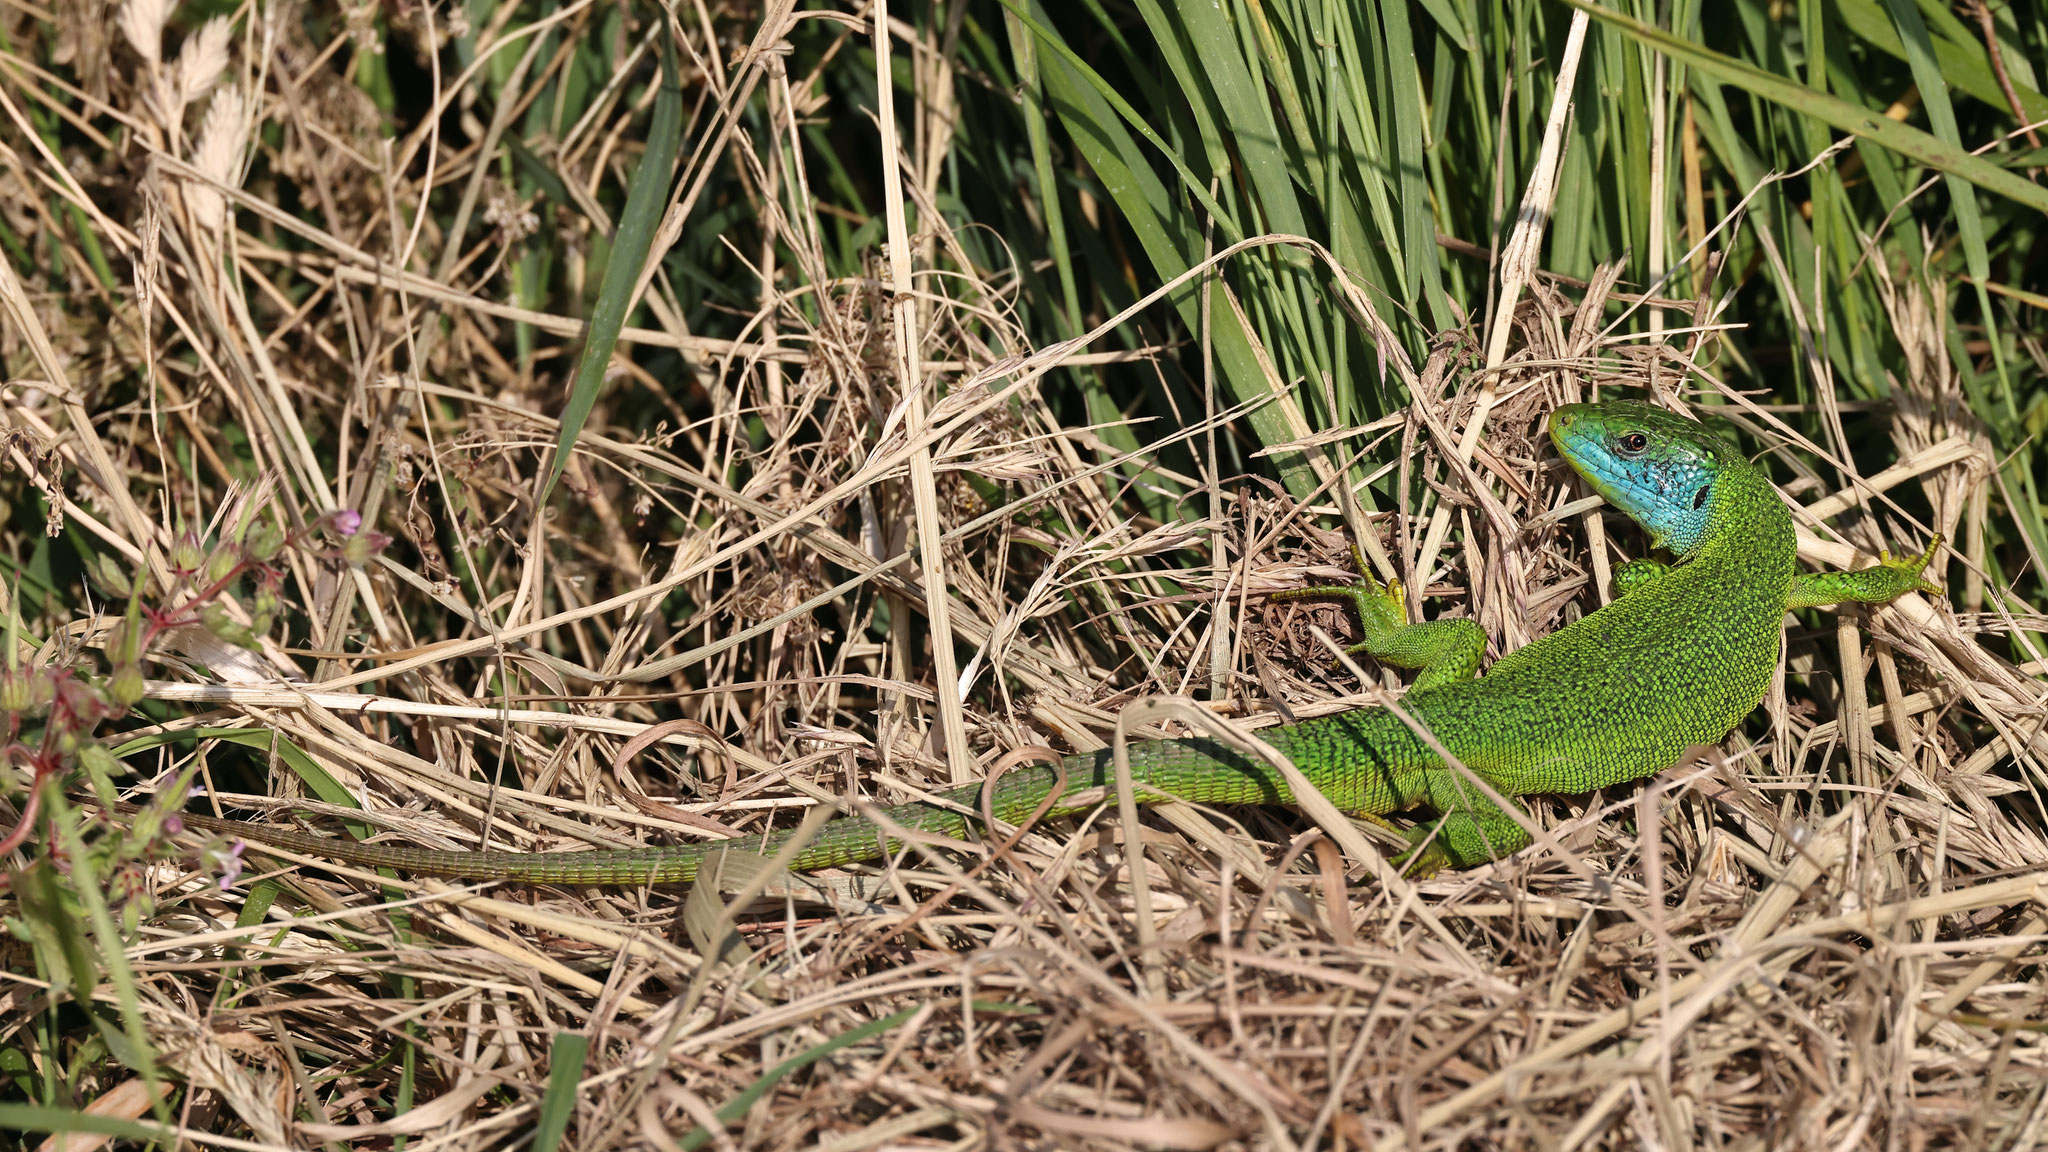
[(1421, 863), (1881, 583), (1424, 856), (1380, 606), (1913, 566), (1442, 651)]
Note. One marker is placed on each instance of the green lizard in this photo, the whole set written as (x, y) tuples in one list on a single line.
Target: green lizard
[(1685, 652)]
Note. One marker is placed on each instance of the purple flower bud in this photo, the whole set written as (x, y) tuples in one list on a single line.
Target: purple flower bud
[(347, 522)]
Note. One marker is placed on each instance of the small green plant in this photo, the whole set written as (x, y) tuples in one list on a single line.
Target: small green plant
[(51, 713), (83, 900)]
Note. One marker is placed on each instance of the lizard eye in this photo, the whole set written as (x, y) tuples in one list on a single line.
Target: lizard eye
[(1633, 443)]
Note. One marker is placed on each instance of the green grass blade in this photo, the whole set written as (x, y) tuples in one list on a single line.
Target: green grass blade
[(324, 786), (737, 1107), (1218, 73), (645, 201), (1170, 239), (1864, 122), (23, 1118), (566, 1057), (1418, 225), (1969, 221), (1966, 68), (1022, 50), (1129, 115), (131, 1045)]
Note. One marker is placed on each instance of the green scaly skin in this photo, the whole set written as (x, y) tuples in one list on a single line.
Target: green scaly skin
[(1679, 659)]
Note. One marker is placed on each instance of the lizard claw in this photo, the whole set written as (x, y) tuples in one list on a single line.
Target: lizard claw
[(1380, 607), (1913, 566)]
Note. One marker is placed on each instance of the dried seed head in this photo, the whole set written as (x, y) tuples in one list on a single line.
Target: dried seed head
[(218, 157), (203, 59), (142, 21)]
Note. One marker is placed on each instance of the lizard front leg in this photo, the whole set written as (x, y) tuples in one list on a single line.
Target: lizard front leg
[(1441, 651), (1881, 583), (1637, 573)]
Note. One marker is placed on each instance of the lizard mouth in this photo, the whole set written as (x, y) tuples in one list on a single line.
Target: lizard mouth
[(1577, 446), (1580, 436)]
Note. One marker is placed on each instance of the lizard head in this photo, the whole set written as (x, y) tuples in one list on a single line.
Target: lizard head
[(1660, 468)]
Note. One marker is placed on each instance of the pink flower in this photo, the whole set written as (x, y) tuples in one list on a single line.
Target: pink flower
[(347, 521), (231, 865)]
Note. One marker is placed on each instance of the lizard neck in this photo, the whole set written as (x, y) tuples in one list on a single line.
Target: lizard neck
[(1749, 544)]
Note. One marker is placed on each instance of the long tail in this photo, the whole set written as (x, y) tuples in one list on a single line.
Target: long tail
[(1018, 794), (1193, 769)]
